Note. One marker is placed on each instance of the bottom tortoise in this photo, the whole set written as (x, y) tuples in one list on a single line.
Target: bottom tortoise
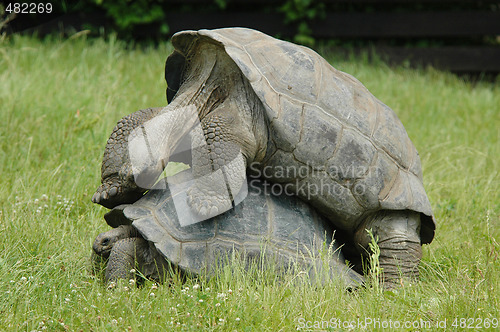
[(148, 236)]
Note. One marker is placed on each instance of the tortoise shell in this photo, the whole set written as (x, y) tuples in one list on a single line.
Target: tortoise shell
[(322, 118), (287, 228)]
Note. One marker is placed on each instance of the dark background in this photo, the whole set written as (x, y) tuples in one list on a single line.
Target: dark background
[(460, 36)]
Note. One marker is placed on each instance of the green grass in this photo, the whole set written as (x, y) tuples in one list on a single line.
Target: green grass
[(59, 102)]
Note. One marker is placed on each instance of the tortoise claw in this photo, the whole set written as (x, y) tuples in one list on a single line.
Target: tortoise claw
[(103, 193), (111, 195), (113, 191), (95, 198)]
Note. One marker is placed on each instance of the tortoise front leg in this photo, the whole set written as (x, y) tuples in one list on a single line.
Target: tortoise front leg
[(219, 167), (398, 234), (138, 149), (118, 185), (124, 256), (135, 254)]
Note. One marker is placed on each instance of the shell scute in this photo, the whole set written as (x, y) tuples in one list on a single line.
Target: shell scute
[(352, 159), (391, 136), (287, 125), (399, 194), (193, 256), (319, 136)]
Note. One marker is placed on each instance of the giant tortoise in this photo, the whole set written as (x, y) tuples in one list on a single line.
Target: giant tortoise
[(149, 237), (268, 108)]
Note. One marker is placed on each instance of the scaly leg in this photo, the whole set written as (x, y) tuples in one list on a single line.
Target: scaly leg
[(219, 168), (135, 253), (398, 234)]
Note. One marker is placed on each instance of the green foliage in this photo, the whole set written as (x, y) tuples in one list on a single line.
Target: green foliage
[(374, 274), (297, 10), (222, 4), (128, 15), (60, 100), (300, 12)]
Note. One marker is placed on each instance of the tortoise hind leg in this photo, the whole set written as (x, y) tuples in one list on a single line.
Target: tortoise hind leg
[(398, 234)]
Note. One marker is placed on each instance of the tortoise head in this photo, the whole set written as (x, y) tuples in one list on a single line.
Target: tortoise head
[(104, 242)]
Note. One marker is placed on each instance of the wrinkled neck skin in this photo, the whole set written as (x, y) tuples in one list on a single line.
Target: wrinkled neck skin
[(141, 144), (215, 86), (212, 86)]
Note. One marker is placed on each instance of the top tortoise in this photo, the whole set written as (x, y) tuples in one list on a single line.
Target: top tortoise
[(279, 111)]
